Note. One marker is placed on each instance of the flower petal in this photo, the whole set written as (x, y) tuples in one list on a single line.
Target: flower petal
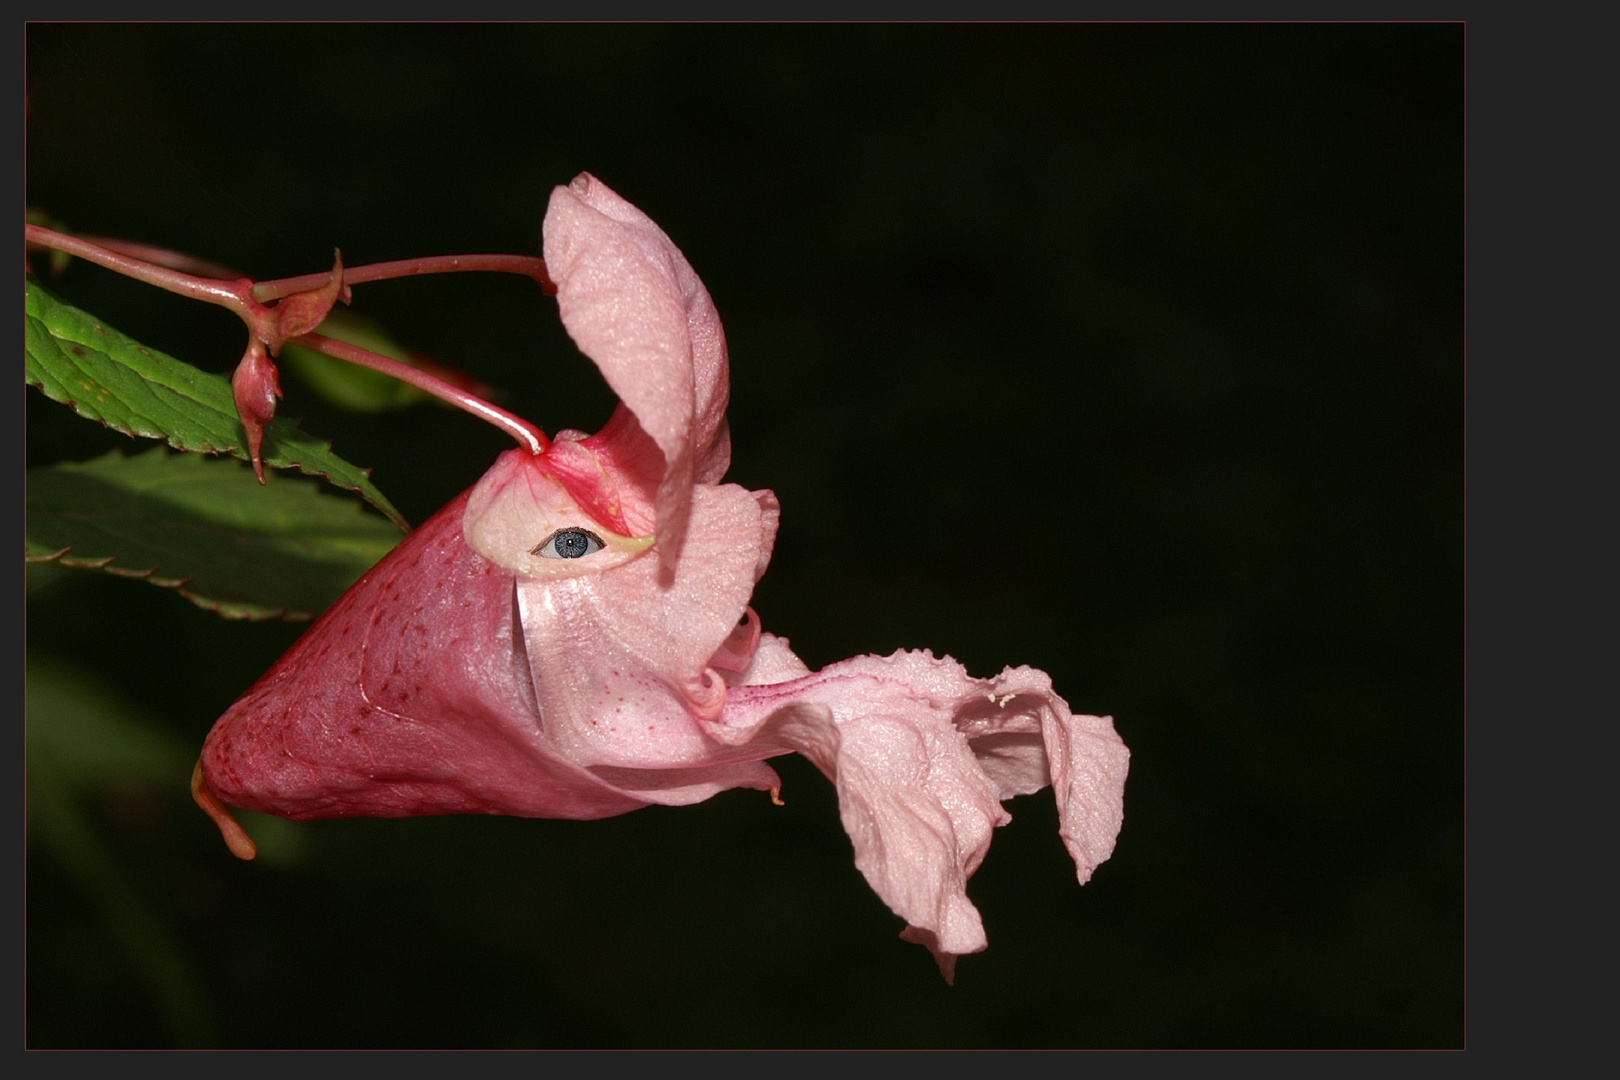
[(923, 754), (614, 474), (1026, 738), (634, 305)]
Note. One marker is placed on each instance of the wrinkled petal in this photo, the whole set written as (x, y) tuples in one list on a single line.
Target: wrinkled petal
[(1026, 739), (633, 304), (923, 755)]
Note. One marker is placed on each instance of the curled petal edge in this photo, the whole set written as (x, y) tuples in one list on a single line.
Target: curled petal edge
[(922, 755)]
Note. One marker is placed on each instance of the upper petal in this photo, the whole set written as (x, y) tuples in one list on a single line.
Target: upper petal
[(633, 304)]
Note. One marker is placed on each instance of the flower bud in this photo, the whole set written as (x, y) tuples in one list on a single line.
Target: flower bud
[(255, 388)]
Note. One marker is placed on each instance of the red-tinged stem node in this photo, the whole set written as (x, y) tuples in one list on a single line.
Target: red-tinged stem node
[(236, 837)]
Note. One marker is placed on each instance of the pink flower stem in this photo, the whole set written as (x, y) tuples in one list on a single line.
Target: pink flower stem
[(526, 265), (247, 300), (236, 295), (174, 260), (524, 432)]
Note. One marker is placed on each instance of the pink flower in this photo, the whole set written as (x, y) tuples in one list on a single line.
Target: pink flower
[(572, 638)]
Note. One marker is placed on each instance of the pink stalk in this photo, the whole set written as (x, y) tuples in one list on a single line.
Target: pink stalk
[(236, 295), (174, 260), (247, 300), (524, 432), (526, 265)]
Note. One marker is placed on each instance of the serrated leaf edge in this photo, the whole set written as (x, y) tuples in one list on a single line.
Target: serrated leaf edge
[(239, 452), (104, 563), (382, 505)]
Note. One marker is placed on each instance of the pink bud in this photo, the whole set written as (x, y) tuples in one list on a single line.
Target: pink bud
[(255, 388)]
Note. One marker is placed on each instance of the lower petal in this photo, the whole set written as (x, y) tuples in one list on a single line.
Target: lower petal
[(923, 754)]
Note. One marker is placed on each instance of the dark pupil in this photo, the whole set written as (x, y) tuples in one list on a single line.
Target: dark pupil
[(571, 544)]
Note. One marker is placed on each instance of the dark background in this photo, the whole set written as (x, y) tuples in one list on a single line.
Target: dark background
[(1133, 353)]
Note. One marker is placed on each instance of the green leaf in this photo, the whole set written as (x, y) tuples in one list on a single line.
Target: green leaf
[(104, 375), (206, 528), (351, 386)]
